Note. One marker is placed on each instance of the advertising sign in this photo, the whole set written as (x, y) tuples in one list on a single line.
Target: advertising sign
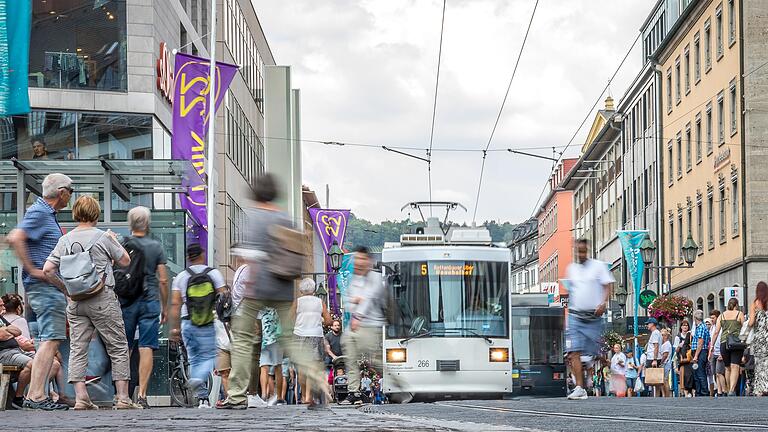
[(553, 293), (330, 225)]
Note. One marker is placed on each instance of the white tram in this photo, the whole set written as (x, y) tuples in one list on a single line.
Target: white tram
[(450, 336)]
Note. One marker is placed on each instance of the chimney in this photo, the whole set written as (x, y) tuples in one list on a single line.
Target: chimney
[(609, 104)]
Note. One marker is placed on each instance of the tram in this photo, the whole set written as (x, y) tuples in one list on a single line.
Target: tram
[(450, 333)]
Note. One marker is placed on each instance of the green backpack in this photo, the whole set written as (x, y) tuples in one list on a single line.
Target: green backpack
[(201, 297)]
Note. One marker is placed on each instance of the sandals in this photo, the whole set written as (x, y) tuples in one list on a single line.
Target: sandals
[(125, 404), (85, 406)]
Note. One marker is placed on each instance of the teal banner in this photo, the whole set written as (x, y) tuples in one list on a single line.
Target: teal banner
[(343, 279), (630, 244), (15, 28)]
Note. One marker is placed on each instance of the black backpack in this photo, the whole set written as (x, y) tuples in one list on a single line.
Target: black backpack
[(129, 281), (201, 297)]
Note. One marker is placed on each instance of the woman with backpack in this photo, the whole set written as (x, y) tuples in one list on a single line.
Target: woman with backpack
[(83, 257), (729, 324)]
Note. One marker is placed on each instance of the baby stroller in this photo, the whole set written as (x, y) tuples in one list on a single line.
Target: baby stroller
[(340, 387)]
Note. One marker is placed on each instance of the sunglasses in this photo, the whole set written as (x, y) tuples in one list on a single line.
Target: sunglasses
[(68, 188)]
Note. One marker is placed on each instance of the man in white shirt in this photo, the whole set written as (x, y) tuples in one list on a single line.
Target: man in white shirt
[(589, 291)]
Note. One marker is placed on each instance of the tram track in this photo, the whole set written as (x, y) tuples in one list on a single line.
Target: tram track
[(607, 418)]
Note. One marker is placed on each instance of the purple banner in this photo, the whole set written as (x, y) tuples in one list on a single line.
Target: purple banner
[(191, 89), (330, 226)]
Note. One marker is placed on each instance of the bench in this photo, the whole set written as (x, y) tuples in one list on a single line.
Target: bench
[(10, 373)]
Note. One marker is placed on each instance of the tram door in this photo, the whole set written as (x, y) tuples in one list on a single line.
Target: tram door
[(538, 360)]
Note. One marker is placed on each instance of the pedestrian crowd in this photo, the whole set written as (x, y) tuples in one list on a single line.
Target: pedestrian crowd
[(268, 345)]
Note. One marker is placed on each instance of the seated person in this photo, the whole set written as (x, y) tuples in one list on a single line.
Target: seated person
[(12, 355)]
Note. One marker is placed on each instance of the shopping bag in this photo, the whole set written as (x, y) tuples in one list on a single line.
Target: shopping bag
[(654, 376), (639, 387)]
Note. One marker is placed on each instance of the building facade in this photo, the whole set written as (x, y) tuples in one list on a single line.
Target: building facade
[(713, 124), (555, 220), (597, 185), (100, 89), (524, 261)]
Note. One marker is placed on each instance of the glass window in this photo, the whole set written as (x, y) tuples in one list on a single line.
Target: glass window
[(537, 335), (699, 226), (78, 44), (710, 221), (671, 164), (450, 298), (687, 66), (680, 236), (707, 46), (723, 222), (709, 127), (40, 135), (698, 137), (679, 155), (114, 136), (720, 119), (671, 241), (734, 102), (731, 22), (719, 30), (669, 90), (688, 159), (696, 58), (678, 96), (735, 206)]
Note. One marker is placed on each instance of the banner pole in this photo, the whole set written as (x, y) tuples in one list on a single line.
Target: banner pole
[(210, 159)]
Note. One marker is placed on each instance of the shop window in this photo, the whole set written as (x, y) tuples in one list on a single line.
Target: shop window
[(114, 136), (78, 44)]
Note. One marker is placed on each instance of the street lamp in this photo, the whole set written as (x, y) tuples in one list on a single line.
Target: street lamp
[(334, 255), (690, 250), (621, 297), (322, 293), (648, 250)]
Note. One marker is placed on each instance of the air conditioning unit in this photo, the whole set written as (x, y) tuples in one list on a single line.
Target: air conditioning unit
[(422, 239)]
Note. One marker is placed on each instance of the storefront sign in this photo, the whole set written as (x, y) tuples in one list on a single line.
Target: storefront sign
[(164, 71), (553, 293), (646, 298), (722, 157), (641, 329), (191, 113)]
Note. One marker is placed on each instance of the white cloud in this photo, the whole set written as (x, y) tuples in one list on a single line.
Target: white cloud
[(366, 70)]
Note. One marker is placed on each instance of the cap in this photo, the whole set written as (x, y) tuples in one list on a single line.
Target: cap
[(708, 321), (194, 250), (653, 321), (628, 349)]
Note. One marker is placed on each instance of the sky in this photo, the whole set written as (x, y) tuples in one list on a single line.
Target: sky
[(367, 69)]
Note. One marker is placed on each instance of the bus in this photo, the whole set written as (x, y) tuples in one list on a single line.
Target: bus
[(449, 335)]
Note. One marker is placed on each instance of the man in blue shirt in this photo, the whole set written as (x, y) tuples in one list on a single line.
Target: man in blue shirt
[(700, 347), (34, 240)]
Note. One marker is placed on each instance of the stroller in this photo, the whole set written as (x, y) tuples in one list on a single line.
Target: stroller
[(340, 387)]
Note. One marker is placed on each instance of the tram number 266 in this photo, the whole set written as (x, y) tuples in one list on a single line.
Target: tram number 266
[(422, 363)]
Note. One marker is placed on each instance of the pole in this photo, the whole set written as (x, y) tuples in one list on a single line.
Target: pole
[(211, 157)]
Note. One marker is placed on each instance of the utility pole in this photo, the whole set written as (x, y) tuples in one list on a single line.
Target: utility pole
[(210, 160)]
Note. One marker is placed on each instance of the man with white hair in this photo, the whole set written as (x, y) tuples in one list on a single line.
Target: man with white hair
[(33, 241), (146, 309)]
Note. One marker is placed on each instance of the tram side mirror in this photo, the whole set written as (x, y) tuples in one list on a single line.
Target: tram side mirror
[(417, 326)]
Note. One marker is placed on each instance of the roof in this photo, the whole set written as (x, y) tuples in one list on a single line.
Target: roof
[(524, 231)]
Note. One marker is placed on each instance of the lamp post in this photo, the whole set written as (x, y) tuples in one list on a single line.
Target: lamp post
[(689, 251), (335, 254), (621, 297)]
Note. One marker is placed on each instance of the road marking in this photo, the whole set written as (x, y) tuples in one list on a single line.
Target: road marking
[(608, 418)]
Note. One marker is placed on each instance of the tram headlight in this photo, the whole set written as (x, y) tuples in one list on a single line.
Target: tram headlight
[(497, 355), (396, 355)]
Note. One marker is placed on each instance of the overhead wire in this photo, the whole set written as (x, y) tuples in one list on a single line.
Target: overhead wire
[(434, 106), (501, 110), (586, 117)]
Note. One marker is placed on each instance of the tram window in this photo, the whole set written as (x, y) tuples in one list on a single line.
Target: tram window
[(537, 336)]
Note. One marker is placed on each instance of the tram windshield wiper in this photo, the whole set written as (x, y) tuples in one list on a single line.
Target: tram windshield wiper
[(417, 336), (475, 333)]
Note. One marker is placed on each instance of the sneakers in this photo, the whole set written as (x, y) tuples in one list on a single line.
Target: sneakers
[(281, 402), (272, 400), (204, 404), (352, 399), (228, 405), (46, 404), (18, 403), (255, 401), (142, 402), (578, 394)]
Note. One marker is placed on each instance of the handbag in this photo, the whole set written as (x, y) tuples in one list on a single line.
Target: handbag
[(733, 343), (747, 333), (654, 376), (687, 357), (639, 387)]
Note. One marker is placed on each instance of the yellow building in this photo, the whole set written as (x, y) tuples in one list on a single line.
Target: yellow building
[(702, 61)]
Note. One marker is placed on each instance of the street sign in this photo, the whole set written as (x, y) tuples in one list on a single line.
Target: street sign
[(640, 322), (646, 298)]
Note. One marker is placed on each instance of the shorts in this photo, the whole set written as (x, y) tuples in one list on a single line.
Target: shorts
[(631, 383), (719, 367), (583, 336), (286, 367), (272, 355), (730, 357), (223, 361), (313, 345), (15, 357), (50, 306), (146, 316)]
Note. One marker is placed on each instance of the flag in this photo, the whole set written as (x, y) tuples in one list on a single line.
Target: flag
[(15, 31), (191, 114), (630, 243), (330, 226)]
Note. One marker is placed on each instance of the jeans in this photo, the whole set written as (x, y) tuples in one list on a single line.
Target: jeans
[(201, 350), (700, 376)]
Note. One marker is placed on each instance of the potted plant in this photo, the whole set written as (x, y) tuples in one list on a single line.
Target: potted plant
[(611, 338)]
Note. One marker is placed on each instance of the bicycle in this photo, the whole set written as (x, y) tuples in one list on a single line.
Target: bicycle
[(179, 390)]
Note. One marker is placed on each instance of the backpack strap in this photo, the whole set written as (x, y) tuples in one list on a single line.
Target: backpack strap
[(94, 240)]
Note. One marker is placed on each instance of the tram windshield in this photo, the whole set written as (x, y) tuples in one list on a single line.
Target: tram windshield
[(449, 299)]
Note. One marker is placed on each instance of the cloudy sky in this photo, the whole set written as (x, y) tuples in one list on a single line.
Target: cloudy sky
[(366, 70)]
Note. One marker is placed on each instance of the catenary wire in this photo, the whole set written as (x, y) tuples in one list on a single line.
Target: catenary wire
[(501, 110), (434, 107)]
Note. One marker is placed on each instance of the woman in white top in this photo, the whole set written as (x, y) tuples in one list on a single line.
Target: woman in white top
[(666, 361), (311, 314)]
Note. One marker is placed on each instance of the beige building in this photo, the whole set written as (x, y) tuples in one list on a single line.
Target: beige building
[(710, 131)]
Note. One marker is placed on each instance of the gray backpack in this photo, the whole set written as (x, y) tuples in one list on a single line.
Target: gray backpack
[(78, 272)]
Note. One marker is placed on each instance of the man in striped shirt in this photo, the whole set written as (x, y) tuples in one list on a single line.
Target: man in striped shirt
[(34, 240)]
